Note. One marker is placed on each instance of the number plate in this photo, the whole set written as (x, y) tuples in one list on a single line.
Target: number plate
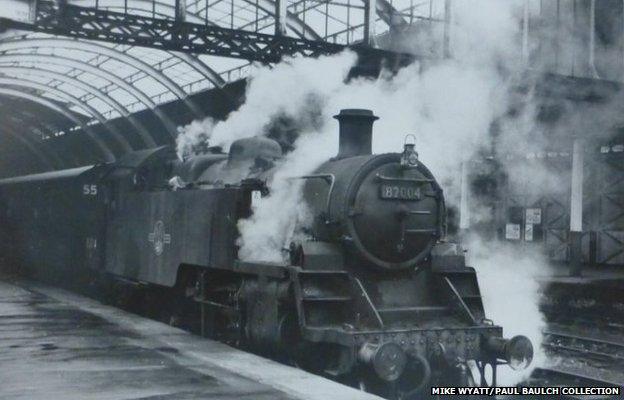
[(399, 192)]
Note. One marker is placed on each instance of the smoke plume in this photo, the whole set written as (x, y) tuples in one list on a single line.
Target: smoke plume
[(194, 138)]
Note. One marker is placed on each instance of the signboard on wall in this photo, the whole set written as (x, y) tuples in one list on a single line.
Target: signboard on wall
[(18, 10), (528, 232), (533, 216), (512, 231)]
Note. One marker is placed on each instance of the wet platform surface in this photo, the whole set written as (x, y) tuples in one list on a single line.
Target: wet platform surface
[(59, 345)]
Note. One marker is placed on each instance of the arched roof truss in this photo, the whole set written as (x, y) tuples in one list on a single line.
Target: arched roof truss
[(107, 80)]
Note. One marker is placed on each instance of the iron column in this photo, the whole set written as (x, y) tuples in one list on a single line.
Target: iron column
[(576, 208)]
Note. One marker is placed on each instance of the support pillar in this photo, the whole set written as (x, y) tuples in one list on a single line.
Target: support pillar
[(525, 34), (447, 29), (370, 14), (180, 10), (180, 18), (280, 17), (576, 208), (592, 40), (464, 208)]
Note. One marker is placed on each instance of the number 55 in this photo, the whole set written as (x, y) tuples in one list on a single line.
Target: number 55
[(89, 190)]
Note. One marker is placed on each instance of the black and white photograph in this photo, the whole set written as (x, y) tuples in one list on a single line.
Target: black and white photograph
[(311, 199)]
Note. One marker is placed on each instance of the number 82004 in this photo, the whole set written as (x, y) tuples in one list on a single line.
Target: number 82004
[(400, 192)]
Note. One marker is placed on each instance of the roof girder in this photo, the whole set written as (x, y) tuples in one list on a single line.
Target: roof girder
[(51, 158), (105, 150), (82, 86), (82, 66), (91, 47), (32, 121), (22, 82), (43, 158), (201, 67)]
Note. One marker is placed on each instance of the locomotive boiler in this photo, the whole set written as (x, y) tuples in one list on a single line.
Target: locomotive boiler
[(374, 296)]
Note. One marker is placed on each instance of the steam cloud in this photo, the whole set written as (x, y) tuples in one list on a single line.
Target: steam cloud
[(449, 105), (508, 277)]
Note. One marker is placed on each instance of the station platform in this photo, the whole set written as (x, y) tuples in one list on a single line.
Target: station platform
[(60, 345)]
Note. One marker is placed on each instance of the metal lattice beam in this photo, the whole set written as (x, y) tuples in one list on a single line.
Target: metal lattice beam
[(94, 24), (190, 59), (149, 6), (267, 6)]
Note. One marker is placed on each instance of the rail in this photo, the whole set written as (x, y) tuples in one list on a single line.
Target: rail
[(595, 348), (555, 375)]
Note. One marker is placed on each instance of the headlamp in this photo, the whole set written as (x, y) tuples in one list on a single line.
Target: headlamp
[(410, 156)]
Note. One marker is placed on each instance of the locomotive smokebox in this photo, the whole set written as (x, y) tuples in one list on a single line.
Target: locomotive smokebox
[(356, 132)]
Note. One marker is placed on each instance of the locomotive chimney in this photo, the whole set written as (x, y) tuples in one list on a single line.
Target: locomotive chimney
[(356, 132)]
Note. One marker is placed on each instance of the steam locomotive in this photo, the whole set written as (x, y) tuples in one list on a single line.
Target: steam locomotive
[(373, 296)]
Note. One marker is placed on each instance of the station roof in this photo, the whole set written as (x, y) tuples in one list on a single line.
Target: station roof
[(53, 86)]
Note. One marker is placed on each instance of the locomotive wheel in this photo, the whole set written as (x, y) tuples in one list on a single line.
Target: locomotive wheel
[(387, 390), (371, 384), (413, 383), (310, 357)]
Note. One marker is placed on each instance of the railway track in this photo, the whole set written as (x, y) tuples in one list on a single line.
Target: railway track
[(559, 376), (556, 376), (603, 352), (584, 340), (584, 359), (606, 325)]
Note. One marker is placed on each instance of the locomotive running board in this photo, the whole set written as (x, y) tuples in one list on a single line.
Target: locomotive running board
[(271, 270)]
